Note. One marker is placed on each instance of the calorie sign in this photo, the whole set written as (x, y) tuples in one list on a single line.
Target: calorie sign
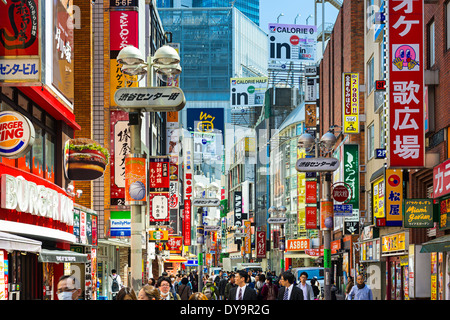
[(340, 193)]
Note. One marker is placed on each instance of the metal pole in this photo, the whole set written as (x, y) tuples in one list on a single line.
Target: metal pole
[(326, 196), (200, 248), (136, 213)]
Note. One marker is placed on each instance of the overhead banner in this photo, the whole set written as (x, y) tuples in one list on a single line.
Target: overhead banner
[(135, 180), (292, 42), (406, 84), (247, 92), (350, 102)]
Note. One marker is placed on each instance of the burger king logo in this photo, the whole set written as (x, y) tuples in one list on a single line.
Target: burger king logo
[(16, 134)]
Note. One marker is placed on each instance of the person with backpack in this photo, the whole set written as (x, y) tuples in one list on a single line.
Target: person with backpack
[(269, 290), (116, 283), (184, 290), (210, 290)]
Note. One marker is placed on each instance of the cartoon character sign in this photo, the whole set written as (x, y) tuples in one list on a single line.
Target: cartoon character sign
[(406, 57)]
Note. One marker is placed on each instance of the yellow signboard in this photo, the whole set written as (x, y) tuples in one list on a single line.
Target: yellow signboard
[(158, 235), (394, 197), (119, 80), (378, 198), (350, 102), (394, 242)]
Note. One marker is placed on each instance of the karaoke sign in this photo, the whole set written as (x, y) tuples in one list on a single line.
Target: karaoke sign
[(406, 84)]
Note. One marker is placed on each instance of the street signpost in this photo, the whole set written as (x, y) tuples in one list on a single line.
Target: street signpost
[(277, 220), (206, 202), (150, 99), (317, 164)]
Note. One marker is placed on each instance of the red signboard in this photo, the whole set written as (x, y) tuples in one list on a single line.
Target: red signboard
[(311, 217), (174, 243), (187, 223), (123, 29), (311, 192), (159, 177), (441, 179), (260, 244), (19, 22), (406, 84)]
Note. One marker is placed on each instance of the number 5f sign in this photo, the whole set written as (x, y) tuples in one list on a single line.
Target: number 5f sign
[(350, 102)]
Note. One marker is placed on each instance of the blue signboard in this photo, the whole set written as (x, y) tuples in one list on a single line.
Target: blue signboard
[(343, 210), (207, 120)]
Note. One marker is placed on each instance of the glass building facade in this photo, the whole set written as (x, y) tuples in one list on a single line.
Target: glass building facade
[(248, 7)]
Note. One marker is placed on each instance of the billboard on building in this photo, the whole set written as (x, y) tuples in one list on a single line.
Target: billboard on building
[(406, 84), (247, 92), (289, 42)]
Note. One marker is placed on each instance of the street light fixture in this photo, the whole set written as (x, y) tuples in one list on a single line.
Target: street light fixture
[(166, 62), (210, 191), (278, 18), (310, 16), (326, 145), (295, 20)]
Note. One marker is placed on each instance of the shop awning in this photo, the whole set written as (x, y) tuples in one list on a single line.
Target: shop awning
[(175, 259), (440, 244), (61, 256), (299, 256), (11, 242)]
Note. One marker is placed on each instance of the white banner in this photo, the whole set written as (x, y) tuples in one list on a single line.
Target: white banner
[(292, 42), (247, 92)]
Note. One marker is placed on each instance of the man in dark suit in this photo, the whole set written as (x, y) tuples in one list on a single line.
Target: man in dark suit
[(242, 291), (288, 291)]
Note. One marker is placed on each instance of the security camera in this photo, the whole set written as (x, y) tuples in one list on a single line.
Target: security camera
[(79, 193), (306, 141)]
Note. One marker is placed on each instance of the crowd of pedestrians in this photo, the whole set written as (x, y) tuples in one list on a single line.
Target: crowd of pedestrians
[(238, 285)]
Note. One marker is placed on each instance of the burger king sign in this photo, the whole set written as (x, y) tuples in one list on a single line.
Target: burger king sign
[(16, 134)]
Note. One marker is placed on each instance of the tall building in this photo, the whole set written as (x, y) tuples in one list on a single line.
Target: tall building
[(248, 7), (216, 44)]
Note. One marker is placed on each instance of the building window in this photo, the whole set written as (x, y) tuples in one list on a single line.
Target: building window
[(370, 76), (431, 44), (370, 14), (370, 141)]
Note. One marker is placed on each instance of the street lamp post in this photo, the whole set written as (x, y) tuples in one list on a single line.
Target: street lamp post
[(166, 63), (326, 145), (211, 189)]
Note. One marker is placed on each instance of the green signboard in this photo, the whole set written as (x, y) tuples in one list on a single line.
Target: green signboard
[(418, 213), (351, 172)]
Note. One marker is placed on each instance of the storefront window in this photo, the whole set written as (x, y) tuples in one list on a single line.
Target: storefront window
[(38, 152), (50, 158), (41, 158)]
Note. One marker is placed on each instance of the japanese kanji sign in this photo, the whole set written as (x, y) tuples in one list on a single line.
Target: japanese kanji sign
[(120, 147), (394, 197), (441, 179), (159, 177), (159, 207), (317, 165), (406, 84), (151, 99), (350, 102)]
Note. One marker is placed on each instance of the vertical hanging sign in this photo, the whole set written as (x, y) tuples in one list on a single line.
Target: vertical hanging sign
[(394, 198), (406, 84), (350, 102)]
